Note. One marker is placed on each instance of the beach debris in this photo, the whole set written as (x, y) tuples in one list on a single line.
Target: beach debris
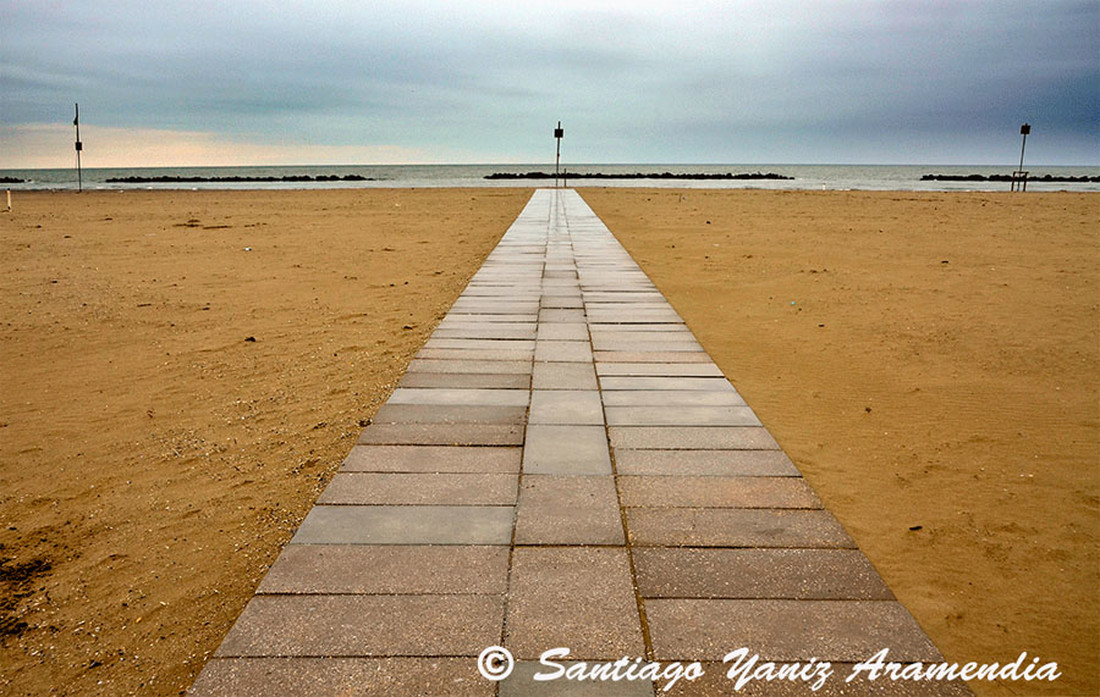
[(248, 249), (250, 340), (914, 528)]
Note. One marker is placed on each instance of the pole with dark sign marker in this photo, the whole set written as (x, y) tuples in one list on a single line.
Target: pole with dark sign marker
[(559, 133), (79, 147), (1019, 177)]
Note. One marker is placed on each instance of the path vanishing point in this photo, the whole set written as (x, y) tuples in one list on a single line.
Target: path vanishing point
[(564, 466)]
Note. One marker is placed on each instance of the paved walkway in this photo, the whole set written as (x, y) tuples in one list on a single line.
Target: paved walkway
[(562, 466)]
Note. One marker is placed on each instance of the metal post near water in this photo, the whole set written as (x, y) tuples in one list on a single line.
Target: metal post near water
[(79, 148), (559, 133), (1019, 177)]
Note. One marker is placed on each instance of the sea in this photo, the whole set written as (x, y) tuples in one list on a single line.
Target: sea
[(802, 177)]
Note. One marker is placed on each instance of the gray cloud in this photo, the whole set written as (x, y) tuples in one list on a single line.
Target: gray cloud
[(634, 82)]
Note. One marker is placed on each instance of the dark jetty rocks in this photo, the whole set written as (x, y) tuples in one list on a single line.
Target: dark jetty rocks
[(164, 179), (1004, 178), (635, 175)]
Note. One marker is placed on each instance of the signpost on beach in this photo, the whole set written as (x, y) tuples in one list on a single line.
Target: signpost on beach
[(559, 133), (1019, 177), (79, 147)]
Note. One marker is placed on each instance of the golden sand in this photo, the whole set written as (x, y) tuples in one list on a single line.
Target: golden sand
[(931, 362)]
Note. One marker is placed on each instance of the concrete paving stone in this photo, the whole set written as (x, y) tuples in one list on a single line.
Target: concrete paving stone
[(785, 630), (441, 434), (612, 296), (563, 351), (691, 370), (735, 463), (735, 527), (717, 492), (465, 397), (562, 302), (388, 569), (477, 354), (521, 683), (563, 331), (421, 489), (633, 316), (665, 383), (406, 525), (671, 398), (555, 315), (629, 330), (361, 677), (477, 344), (659, 356), (449, 414), (431, 458), (502, 330), (691, 438), (716, 683), (365, 625), (426, 365), (613, 333), (563, 376), (457, 317), (804, 574), (678, 349), (639, 305), (566, 450), (581, 407), (682, 416), (460, 381), (576, 597), (564, 510), (497, 307)]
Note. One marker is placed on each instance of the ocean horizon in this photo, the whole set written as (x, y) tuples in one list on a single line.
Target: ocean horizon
[(797, 177)]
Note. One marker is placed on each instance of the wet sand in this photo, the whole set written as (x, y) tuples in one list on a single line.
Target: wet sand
[(154, 458)]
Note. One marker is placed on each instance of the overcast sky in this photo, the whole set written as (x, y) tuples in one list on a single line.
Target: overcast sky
[(356, 82)]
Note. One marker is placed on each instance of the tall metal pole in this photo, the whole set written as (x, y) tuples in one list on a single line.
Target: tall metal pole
[(79, 147), (1024, 130), (558, 134)]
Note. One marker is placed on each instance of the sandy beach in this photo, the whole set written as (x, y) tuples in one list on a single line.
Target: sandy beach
[(930, 362), (183, 371)]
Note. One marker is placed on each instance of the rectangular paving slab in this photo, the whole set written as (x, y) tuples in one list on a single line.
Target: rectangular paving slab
[(388, 569), (785, 630), (804, 574), (551, 449), (403, 525), (735, 527), (568, 510), (578, 597), (362, 625), (431, 458), (717, 492), (451, 489)]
